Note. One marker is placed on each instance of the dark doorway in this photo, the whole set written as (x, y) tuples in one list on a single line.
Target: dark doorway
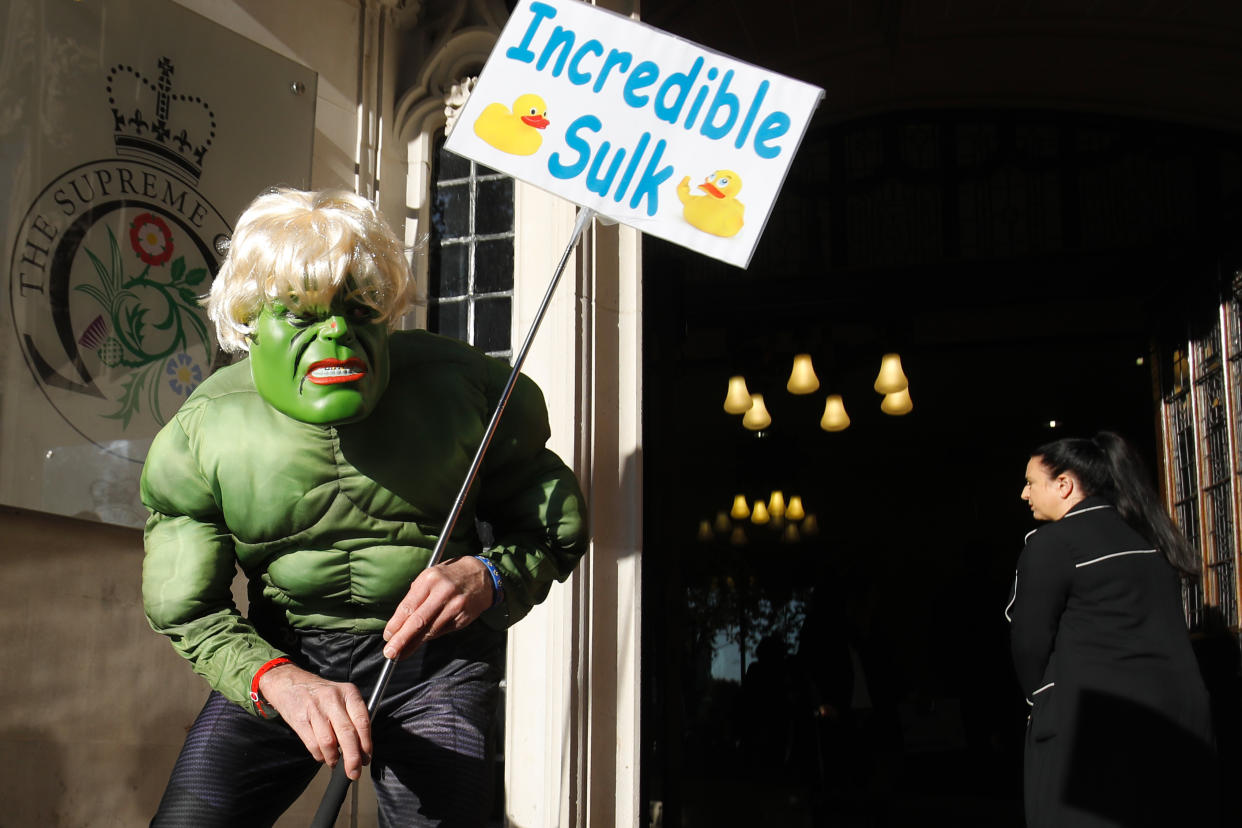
[(1024, 266)]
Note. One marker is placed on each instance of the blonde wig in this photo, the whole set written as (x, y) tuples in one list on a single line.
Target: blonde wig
[(300, 249)]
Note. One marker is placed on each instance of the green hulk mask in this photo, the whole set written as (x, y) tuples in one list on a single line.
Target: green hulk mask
[(325, 367)]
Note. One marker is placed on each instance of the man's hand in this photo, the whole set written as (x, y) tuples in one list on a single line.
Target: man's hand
[(330, 717), (442, 599)]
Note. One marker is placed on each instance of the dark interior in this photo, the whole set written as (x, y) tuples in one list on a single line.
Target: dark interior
[(1031, 266)]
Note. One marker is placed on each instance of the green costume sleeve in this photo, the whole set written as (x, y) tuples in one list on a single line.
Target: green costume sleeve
[(188, 570), (533, 502)]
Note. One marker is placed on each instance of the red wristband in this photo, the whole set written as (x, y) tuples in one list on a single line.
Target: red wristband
[(254, 683)]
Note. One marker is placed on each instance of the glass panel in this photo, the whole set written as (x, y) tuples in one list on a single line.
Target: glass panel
[(493, 266), (1226, 590), (1220, 523), (450, 319), (1215, 427), (1181, 372), (451, 276), (450, 214), (494, 209), (1235, 329), (1235, 371), (452, 165), (491, 324), (1185, 492), (1207, 351)]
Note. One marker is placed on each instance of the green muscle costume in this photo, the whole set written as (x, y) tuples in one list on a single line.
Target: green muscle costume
[(331, 524)]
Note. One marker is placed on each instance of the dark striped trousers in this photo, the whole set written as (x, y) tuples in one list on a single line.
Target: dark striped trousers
[(432, 759)]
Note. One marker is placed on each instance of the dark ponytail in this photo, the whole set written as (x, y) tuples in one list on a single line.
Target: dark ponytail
[(1108, 467)]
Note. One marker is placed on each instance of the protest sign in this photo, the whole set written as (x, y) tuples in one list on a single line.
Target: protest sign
[(643, 127)]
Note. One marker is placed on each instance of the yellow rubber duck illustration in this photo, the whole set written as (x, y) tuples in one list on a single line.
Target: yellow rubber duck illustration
[(516, 132), (718, 212)]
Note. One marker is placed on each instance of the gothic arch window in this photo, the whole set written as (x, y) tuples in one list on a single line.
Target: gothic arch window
[(460, 214)]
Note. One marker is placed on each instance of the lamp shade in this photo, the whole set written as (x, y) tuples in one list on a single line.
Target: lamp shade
[(737, 399), (791, 534), (897, 403), (810, 526), (802, 379), (740, 510), (835, 418), (794, 510), (738, 538), (757, 418), (776, 503), (891, 378), (705, 530), (760, 514), (722, 524)]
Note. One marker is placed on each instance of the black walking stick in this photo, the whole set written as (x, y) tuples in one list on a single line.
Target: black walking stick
[(338, 786)]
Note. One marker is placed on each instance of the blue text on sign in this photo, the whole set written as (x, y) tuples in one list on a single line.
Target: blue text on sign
[(725, 113)]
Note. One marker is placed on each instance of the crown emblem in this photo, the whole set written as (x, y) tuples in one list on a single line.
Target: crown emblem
[(176, 146)]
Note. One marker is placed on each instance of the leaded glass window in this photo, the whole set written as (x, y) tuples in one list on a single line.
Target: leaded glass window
[(1180, 446), (470, 284), (1215, 473), (1202, 416)]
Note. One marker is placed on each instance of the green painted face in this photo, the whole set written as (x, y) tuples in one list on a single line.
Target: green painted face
[(320, 366)]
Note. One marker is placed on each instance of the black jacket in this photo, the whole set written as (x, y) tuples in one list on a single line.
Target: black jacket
[(1119, 713)]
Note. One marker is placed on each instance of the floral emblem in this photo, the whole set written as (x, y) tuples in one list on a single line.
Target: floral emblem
[(146, 322), (184, 374), (149, 237)]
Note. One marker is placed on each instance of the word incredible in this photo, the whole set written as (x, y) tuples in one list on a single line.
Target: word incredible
[(558, 49), (674, 97)]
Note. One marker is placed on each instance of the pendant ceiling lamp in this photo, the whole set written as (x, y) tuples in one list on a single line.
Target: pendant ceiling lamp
[(802, 379), (835, 418), (738, 538), (897, 403), (722, 522), (760, 514), (791, 535), (776, 503), (810, 526), (794, 510), (891, 378), (705, 530), (740, 510), (757, 418), (737, 399)]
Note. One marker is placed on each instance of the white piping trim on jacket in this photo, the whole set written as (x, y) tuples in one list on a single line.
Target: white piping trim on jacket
[(1067, 514), (1116, 554), (1040, 690), (1088, 509), (1012, 598)]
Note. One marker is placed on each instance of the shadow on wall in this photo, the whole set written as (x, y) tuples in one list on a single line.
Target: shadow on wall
[(33, 773)]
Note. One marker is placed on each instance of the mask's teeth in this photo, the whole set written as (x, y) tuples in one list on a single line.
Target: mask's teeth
[(334, 371)]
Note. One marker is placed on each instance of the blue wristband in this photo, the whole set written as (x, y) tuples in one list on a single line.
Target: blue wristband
[(498, 586)]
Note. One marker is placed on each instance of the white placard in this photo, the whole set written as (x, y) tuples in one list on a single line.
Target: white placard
[(643, 127)]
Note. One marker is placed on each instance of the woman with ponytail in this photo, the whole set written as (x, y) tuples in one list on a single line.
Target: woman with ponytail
[(1119, 732)]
